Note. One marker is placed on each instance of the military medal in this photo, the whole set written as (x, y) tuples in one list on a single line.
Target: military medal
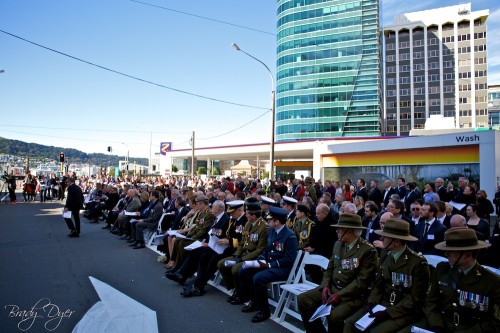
[(462, 299)]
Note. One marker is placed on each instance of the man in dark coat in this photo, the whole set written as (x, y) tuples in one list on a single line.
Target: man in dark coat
[(74, 202)]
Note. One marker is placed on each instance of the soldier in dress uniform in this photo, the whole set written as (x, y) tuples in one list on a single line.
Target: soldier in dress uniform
[(400, 286), (198, 232), (464, 296), (265, 203), (252, 243), (346, 280), (303, 225), (274, 264), (310, 190), (289, 205)]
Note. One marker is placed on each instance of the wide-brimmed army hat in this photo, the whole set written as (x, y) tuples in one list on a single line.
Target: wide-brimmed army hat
[(231, 206), (460, 239), (349, 221), (252, 205), (397, 228)]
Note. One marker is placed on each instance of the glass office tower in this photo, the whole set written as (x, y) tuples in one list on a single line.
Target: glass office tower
[(328, 69)]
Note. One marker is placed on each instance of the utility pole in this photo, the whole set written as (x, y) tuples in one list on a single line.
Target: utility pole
[(192, 155)]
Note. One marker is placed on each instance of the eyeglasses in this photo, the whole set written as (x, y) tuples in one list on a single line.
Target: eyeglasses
[(414, 209)]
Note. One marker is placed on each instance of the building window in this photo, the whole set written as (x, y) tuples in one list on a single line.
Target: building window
[(481, 99), (391, 57), (391, 69), (418, 78), (404, 92), (391, 104), (449, 101), (463, 37), (404, 104), (434, 102), (465, 113), (465, 49), (433, 90), (480, 60), (390, 46), (419, 91), (448, 88), (404, 45), (391, 93), (449, 76), (464, 87), (480, 73), (404, 68), (433, 65), (479, 48), (419, 102), (418, 67), (433, 53), (433, 41), (391, 80), (448, 64), (418, 42), (481, 112), (433, 77), (464, 75), (478, 35), (404, 79), (448, 39), (404, 56), (463, 100)]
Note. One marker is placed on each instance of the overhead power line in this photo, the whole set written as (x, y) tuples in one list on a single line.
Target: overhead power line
[(205, 18), (134, 77)]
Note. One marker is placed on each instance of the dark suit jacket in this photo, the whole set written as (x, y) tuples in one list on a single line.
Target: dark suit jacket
[(176, 224), (409, 199), (386, 197), (372, 236), (376, 196), (435, 234), (362, 193), (401, 191), (74, 200), (443, 194)]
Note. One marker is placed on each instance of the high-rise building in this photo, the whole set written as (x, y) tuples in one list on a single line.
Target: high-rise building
[(435, 65), (328, 69), (494, 106)]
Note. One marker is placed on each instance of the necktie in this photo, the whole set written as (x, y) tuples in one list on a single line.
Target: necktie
[(369, 229), (426, 229)]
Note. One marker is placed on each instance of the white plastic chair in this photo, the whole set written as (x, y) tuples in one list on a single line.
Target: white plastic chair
[(293, 289)]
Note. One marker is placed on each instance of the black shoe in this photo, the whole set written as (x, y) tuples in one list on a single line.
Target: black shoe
[(250, 307), (193, 291), (177, 277), (232, 297), (114, 231), (238, 301), (135, 243), (126, 237), (139, 246), (107, 227), (74, 233), (261, 316)]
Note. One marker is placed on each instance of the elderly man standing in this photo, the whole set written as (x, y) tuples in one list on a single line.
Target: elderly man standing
[(74, 202), (346, 280), (274, 264), (464, 296), (401, 283)]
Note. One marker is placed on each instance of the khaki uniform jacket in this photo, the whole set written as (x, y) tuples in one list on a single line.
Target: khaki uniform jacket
[(472, 301), (253, 241), (311, 192), (402, 286), (351, 274), (303, 231), (203, 222)]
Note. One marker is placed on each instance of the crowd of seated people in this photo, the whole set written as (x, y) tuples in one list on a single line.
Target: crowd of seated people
[(232, 220)]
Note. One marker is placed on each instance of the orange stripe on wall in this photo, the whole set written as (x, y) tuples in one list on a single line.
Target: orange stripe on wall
[(444, 155)]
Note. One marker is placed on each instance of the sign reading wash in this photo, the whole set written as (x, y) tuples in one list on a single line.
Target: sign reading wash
[(164, 147), (467, 138)]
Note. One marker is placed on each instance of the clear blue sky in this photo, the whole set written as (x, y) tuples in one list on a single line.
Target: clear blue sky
[(42, 92)]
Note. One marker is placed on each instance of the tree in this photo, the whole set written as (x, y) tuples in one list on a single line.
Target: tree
[(215, 171), (201, 171), (174, 168)]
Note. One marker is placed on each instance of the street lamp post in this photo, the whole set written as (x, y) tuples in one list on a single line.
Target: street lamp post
[(128, 151), (273, 110)]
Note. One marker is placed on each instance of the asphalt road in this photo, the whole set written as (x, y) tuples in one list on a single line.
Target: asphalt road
[(40, 265)]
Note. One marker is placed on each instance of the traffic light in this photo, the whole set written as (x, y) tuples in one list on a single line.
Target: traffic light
[(110, 149), (61, 157)]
